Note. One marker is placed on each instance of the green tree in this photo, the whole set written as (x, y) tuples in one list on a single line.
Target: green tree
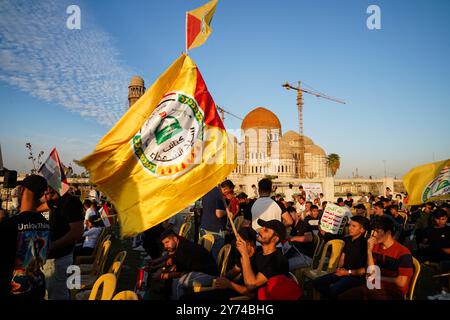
[(333, 162)]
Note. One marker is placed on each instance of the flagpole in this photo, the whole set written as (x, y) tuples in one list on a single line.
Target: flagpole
[(186, 32)]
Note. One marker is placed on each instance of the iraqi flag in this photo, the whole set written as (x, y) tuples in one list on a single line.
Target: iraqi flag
[(52, 170), (104, 214)]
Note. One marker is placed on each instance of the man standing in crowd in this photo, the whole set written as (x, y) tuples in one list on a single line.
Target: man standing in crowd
[(289, 193), (25, 239), (66, 229), (393, 260), (214, 216), (352, 264), (267, 209)]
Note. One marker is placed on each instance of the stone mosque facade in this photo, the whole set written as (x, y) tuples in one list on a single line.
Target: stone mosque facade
[(264, 149)]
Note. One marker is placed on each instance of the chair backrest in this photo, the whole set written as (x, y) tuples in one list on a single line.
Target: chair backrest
[(291, 275), (413, 281), (185, 229), (222, 259), (107, 282), (98, 248), (207, 241), (318, 246), (404, 216), (126, 295), (238, 221), (336, 249), (117, 264), (98, 269)]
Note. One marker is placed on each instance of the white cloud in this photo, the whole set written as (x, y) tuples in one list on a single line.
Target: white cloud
[(77, 69)]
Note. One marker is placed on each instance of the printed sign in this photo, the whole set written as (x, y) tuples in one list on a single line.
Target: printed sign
[(334, 219)]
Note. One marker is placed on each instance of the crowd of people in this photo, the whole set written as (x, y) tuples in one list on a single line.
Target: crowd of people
[(277, 235), (41, 238)]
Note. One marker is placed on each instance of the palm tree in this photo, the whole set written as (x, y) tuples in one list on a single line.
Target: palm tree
[(333, 162)]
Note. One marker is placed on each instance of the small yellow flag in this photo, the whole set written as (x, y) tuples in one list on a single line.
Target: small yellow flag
[(428, 182), (198, 24)]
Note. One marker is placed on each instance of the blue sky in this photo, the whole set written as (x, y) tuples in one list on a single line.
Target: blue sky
[(66, 88)]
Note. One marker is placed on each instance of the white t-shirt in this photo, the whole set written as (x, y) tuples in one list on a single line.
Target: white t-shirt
[(89, 213), (267, 209), (289, 193), (91, 237)]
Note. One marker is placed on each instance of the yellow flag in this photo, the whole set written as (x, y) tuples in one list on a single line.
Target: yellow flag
[(428, 182), (168, 150), (198, 24)]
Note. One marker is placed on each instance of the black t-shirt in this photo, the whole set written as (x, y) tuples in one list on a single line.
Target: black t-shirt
[(245, 209), (438, 237), (270, 265), (190, 256), (300, 229), (63, 211), (24, 242), (355, 253), (211, 202)]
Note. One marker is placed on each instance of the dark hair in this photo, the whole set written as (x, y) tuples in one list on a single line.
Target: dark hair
[(324, 203), (309, 202), (439, 213), (431, 204), (87, 202), (242, 195), (265, 185), (167, 233), (227, 184), (321, 194), (290, 185), (393, 207), (383, 223), (340, 200), (314, 207), (291, 210), (363, 221), (349, 194), (379, 204), (300, 187)]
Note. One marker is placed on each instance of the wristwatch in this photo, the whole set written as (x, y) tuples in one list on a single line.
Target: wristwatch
[(349, 272)]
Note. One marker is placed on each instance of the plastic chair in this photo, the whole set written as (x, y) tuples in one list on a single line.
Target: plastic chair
[(207, 241), (95, 267), (404, 216), (116, 265), (412, 285), (108, 283), (88, 280), (318, 246), (83, 262), (222, 259), (184, 229), (336, 249), (238, 221), (126, 295), (90, 259)]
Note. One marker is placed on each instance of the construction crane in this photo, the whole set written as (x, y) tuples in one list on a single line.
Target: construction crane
[(223, 111), (318, 94)]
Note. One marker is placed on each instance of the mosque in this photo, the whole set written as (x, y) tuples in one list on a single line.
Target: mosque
[(264, 149)]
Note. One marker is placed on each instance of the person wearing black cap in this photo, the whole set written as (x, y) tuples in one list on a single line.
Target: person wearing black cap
[(25, 240), (267, 261)]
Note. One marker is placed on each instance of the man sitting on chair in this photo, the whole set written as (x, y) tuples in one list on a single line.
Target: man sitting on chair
[(352, 264), (186, 263)]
